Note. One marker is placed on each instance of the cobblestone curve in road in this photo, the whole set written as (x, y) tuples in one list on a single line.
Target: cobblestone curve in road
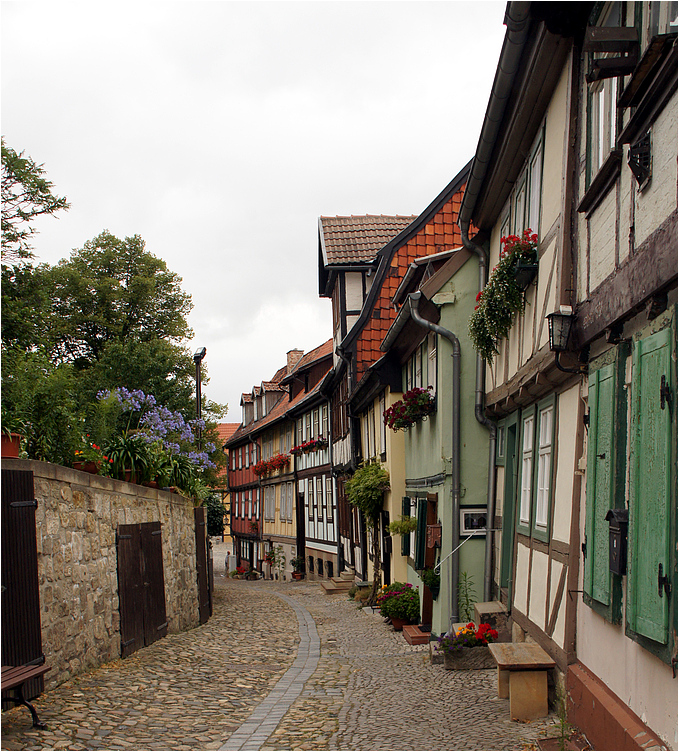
[(263, 721)]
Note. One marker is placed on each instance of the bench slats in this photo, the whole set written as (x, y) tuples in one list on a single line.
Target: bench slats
[(14, 676)]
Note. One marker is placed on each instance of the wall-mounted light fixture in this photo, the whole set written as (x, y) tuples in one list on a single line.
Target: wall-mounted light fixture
[(560, 324)]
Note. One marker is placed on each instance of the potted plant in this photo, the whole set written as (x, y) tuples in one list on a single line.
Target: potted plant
[(416, 404), (404, 526), (432, 580), (504, 294), (129, 457), (467, 648), (298, 567), (11, 442), (399, 602)]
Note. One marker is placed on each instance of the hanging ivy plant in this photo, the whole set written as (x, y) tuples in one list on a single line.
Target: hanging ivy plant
[(502, 297)]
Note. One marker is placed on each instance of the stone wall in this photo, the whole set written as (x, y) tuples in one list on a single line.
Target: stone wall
[(76, 520)]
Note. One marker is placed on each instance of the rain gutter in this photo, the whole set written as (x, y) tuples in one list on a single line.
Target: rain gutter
[(517, 20), (413, 298)]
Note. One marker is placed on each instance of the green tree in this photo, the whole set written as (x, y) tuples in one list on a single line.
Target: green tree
[(26, 194), (365, 491), (216, 512), (113, 290)]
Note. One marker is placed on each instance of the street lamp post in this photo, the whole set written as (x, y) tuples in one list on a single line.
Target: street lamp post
[(197, 359)]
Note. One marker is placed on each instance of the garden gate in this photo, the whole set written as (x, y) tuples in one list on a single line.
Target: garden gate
[(21, 635), (204, 603), (141, 586)]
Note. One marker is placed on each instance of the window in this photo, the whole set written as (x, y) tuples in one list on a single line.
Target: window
[(328, 501), (523, 209), (310, 499), (270, 503), (602, 115), (431, 362), (319, 498), (325, 422), (536, 469), (526, 470), (383, 427), (544, 468)]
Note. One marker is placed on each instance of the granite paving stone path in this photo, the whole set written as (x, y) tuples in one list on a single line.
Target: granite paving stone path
[(278, 666)]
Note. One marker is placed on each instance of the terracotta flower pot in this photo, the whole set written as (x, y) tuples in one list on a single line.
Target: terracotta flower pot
[(297, 575), (86, 467), (398, 624), (10, 445)]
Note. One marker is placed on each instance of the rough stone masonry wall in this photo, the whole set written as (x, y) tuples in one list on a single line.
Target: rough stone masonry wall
[(76, 521)]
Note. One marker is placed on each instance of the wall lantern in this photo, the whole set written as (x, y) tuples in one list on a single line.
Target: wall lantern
[(560, 324)]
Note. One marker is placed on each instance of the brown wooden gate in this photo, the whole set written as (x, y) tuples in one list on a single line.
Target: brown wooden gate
[(201, 565), (141, 586), (21, 635)]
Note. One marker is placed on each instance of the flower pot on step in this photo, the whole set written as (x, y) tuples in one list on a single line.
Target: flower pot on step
[(398, 624)]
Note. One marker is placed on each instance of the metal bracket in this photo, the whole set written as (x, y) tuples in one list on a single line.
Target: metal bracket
[(665, 393), (663, 583)]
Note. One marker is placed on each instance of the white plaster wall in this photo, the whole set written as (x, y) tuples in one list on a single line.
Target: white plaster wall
[(538, 589), (559, 635), (659, 199), (354, 291), (602, 240), (521, 578), (566, 464), (638, 678), (554, 151)]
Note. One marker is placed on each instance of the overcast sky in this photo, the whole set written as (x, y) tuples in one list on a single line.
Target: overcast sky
[(221, 131)]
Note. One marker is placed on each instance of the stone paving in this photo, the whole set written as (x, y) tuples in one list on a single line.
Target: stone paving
[(278, 666)]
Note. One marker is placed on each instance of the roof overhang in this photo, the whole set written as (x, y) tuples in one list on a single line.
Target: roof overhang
[(405, 334)]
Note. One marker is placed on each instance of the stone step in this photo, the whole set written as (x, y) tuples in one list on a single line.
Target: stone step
[(336, 585), (495, 614), (414, 636)]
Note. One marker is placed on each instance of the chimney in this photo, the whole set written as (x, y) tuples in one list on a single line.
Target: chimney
[(294, 356)]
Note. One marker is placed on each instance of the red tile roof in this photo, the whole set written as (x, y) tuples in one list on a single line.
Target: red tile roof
[(357, 239)]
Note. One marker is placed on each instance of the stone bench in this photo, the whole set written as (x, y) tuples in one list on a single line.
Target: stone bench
[(522, 677), (14, 678)]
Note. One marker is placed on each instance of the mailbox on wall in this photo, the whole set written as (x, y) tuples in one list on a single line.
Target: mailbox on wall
[(618, 520)]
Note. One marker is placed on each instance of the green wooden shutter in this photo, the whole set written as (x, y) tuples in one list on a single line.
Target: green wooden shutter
[(650, 491), (597, 577), (405, 539), (421, 534)]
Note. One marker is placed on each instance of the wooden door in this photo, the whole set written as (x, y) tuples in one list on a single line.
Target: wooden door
[(141, 586), (21, 634), (201, 565)]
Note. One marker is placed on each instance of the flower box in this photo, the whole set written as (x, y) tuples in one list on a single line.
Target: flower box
[(524, 273), (469, 659), (86, 467)]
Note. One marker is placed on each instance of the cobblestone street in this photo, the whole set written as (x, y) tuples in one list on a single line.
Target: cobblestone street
[(278, 666)]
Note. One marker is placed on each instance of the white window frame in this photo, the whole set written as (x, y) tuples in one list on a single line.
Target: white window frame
[(526, 485), (546, 426)]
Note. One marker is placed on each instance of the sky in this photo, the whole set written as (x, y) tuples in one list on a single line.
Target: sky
[(220, 131)]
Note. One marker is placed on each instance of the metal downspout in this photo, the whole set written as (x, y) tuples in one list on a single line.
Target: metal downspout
[(517, 20), (455, 450)]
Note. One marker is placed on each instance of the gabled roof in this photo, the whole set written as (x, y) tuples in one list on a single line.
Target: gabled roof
[(357, 239), (284, 405)]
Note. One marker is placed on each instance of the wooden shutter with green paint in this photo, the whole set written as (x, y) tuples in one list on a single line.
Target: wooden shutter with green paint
[(605, 484), (649, 567), (421, 534), (405, 539)]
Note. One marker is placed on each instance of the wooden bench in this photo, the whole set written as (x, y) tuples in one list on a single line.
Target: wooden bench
[(522, 677), (14, 678)]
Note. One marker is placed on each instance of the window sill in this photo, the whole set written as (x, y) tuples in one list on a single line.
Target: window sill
[(602, 183)]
